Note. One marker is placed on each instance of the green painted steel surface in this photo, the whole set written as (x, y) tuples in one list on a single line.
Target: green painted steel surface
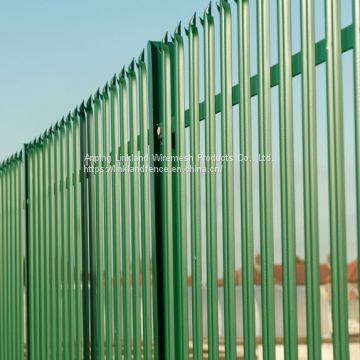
[(287, 182), (167, 203), (110, 248), (211, 216), (338, 263), (310, 181), (179, 186), (195, 203), (227, 181), (356, 27)]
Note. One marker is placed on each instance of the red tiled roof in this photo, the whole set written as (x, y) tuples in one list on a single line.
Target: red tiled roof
[(324, 273)]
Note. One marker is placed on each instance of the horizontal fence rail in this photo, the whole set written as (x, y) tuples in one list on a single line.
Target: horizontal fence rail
[(113, 246)]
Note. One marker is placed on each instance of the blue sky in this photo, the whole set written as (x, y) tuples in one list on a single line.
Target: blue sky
[(54, 54)]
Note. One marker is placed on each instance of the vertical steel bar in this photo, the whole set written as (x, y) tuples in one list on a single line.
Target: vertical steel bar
[(125, 216), (7, 260), (154, 144), (336, 182), (84, 256), (63, 229), (180, 227), (356, 24), (210, 178), (3, 262), (195, 206), (77, 237), (40, 242), (18, 280), (227, 180), (13, 266), (69, 235), (116, 219), (288, 242), (20, 263), (58, 227), (18, 260), (167, 226), (12, 235), (310, 181), (99, 228), (11, 273), (12, 269), (7, 272), (17, 263), (2, 259), (45, 257), (25, 246), (51, 242), (2, 265), (265, 182), (90, 164), (24, 275), (107, 218), (32, 262), (43, 227), (38, 251), (12, 256), (135, 221), (246, 181), (145, 210), (84, 234)]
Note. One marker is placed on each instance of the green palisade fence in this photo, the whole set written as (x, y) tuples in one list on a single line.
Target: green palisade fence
[(98, 264)]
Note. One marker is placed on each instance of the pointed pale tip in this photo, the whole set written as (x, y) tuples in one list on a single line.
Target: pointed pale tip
[(131, 67), (178, 29), (192, 21), (97, 94), (142, 56), (208, 9), (68, 118), (122, 73), (113, 81), (89, 101), (105, 88), (165, 39)]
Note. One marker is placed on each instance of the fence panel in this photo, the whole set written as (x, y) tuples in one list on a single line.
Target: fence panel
[(122, 235)]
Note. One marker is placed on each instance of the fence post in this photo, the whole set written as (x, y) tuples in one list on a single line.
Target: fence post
[(155, 186)]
